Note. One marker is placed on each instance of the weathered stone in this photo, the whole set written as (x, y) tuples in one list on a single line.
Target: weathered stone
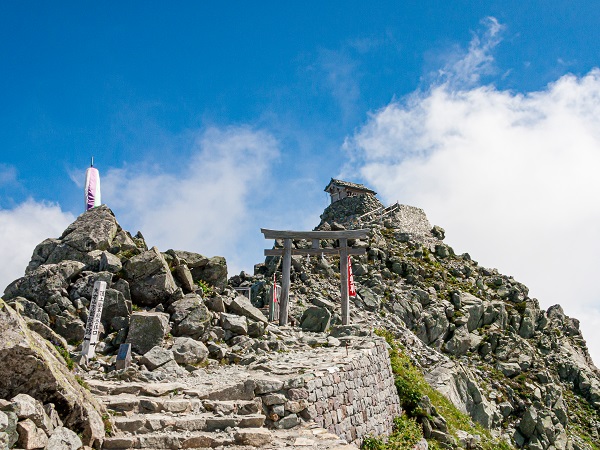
[(184, 276), (459, 343), (322, 303), (254, 438), (287, 422), (528, 422), (370, 300), (44, 282), (189, 351), (147, 330), (190, 316), (115, 305), (267, 385), (31, 365), (63, 439), (30, 436), (214, 272), (256, 329), (215, 304), (156, 357), (235, 324), (69, 327), (242, 306), (150, 279), (32, 310), (95, 229), (315, 319), (110, 262)]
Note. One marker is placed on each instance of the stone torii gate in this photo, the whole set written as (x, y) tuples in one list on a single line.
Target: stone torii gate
[(287, 251)]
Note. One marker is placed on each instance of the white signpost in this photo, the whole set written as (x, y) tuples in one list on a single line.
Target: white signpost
[(92, 327)]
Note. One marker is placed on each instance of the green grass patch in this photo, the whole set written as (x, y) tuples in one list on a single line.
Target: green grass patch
[(411, 386)]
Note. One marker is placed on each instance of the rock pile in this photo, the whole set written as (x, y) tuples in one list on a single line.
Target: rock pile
[(518, 370), (209, 370)]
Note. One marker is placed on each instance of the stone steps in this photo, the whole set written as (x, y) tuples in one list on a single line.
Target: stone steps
[(149, 423), (127, 403)]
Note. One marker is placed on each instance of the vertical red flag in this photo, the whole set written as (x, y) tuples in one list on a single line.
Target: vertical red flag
[(274, 289), (351, 285)]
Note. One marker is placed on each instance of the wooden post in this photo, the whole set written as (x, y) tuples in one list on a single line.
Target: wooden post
[(285, 281), (344, 281)]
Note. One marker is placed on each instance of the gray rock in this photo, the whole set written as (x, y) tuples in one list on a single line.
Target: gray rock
[(322, 303), (315, 319), (190, 316), (93, 230), (256, 329), (69, 327), (510, 369), (184, 276), (267, 385), (44, 282), (236, 324), (459, 343), (370, 300), (32, 310), (189, 351), (150, 279), (215, 304), (63, 439), (147, 330), (242, 306), (528, 422), (214, 273), (31, 365), (30, 436), (110, 262), (115, 305), (156, 357)]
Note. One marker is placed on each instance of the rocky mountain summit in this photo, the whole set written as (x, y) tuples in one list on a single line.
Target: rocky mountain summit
[(466, 359)]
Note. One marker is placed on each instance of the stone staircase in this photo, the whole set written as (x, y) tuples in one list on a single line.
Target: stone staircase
[(163, 416)]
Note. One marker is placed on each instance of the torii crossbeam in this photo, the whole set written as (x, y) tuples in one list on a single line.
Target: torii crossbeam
[(287, 251)]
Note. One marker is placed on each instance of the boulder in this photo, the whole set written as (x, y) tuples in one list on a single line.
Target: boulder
[(63, 439), (157, 356), (32, 310), (189, 351), (31, 365), (150, 279), (242, 306), (184, 276), (30, 436), (315, 319), (147, 330), (370, 300), (44, 282), (115, 305), (95, 229), (214, 273), (235, 324), (190, 316)]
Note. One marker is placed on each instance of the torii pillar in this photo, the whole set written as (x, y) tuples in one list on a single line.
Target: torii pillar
[(287, 251)]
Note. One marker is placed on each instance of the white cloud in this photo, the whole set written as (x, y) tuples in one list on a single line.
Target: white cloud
[(513, 178), (208, 207), (22, 228)]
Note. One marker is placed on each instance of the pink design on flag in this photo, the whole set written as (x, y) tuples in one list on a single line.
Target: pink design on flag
[(92, 188), (351, 285)]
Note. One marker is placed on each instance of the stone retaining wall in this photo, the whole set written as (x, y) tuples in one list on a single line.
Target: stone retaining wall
[(358, 398)]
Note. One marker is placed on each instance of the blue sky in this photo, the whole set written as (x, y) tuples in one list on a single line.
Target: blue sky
[(208, 122)]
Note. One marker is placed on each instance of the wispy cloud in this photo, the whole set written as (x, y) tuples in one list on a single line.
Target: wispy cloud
[(207, 207), (8, 174), (512, 177), (22, 228), (465, 68)]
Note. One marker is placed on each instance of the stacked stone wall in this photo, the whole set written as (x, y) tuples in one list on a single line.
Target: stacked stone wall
[(358, 398)]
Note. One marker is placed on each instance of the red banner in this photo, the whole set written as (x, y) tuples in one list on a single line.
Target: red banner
[(351, 286)]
